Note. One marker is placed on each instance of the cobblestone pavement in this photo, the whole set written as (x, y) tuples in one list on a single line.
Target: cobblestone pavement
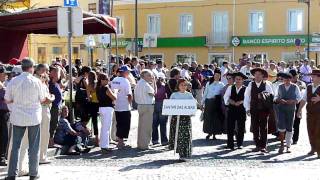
[(209, 161)]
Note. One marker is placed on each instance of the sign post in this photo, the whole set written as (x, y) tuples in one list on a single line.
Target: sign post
[(150, 40), (176, 107), (72, 24)]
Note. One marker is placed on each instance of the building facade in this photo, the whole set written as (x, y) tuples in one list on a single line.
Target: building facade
[(213, 30)]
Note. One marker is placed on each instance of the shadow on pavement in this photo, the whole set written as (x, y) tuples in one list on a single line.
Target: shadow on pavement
[(114, 154), (151, 165)]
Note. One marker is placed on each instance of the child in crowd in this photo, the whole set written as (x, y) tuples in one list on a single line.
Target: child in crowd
[(184, 141)]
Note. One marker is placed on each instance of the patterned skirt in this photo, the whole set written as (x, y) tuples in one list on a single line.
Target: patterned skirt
[(184, 144)]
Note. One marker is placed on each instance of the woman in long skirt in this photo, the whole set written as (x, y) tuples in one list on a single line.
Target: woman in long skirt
[(211, 103)]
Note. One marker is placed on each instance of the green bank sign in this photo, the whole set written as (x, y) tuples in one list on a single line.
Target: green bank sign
[(166, 42), (286, 40)]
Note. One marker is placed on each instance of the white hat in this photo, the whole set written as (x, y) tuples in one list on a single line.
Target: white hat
[(161, 75), (17, 69)]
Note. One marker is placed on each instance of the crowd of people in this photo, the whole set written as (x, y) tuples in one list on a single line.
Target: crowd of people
[(35, 106)]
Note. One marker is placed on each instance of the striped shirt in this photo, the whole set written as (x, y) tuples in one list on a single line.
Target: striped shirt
[(26, 94)]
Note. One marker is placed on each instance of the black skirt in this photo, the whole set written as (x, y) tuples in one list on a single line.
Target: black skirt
[(213, 116)]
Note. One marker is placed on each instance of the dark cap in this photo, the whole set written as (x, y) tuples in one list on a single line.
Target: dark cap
[(293, 72)]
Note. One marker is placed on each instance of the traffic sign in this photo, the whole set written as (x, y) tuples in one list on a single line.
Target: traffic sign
[(71, 3), (77, 21), (313, 49)]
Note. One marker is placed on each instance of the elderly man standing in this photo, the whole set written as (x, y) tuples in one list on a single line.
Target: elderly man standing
[(144, 93), (24, 94)]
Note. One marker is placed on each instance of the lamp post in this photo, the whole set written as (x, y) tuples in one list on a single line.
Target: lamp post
[(136, 28), (308, 2)]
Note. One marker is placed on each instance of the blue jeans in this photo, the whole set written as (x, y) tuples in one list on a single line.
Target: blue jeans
[(159, 119), (34, 142)]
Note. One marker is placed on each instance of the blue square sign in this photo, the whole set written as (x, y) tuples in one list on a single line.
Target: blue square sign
[(71, 3)]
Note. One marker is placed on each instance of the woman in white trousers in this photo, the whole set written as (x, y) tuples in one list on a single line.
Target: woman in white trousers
[(106, 98)]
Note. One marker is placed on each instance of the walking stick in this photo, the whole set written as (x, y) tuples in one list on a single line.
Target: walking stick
[(176, 136)]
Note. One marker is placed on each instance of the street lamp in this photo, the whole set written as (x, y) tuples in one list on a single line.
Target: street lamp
[(136, 28), (308, 2)]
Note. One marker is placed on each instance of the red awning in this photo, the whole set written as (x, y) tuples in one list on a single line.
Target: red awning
[(15, 27)]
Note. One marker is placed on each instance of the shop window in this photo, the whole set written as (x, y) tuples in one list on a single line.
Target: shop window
[(258, 57), (75, 52), (292, 56), (185, 58), (219, 58), (57, 50), (92, 7), (42, 55), (154, 57)]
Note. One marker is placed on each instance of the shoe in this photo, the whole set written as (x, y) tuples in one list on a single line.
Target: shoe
[(214, 138), (281, 149), (240, 147), (294, 142), (318, 156), (155, 143), (10, 178), (257, 149), (3, 163), (312, 152), (45, 162), (229, 147), (105, 150), (86, 150), (208, 137), (288, 150), (34, 177), (73, 153), (164, 144), (264, 150)]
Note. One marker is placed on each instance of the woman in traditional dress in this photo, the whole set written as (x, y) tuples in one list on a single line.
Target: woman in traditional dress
[(184, 141), (211, 103)]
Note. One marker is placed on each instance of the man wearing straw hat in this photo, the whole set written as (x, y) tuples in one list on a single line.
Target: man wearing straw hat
[(312, 99)]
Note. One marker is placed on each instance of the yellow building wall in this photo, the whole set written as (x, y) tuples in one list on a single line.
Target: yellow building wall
[(275, 23), (48, 42)]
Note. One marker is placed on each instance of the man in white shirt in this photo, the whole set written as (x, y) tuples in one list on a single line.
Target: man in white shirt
[(185, 73), (311, 97), (246, 69), (305, 70), (122, 86), (24, 96), (224, 71), (144, 93), (234, 97), (253, 103)]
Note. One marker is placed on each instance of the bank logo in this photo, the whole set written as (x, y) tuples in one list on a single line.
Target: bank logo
[(235, 41)]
